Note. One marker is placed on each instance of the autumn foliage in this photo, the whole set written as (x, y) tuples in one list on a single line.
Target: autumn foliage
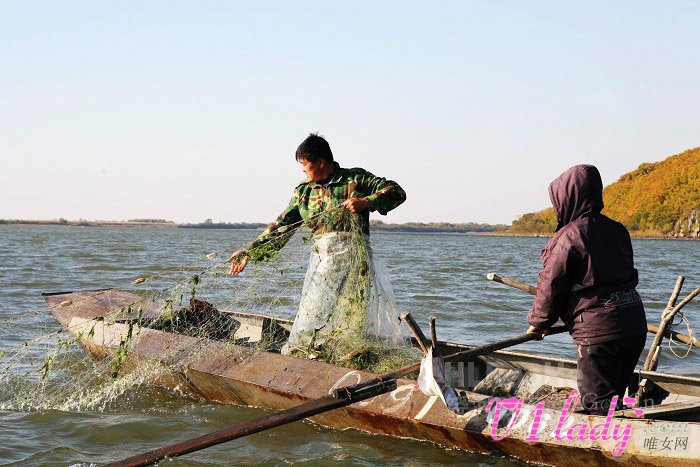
[(651, 199), (540, 222)]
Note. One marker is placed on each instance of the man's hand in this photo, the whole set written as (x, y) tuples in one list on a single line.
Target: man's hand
[(239, 260), (532, 329), (356, 204)]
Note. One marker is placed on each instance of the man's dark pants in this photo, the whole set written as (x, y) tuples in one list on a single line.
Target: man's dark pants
[(605, 370)]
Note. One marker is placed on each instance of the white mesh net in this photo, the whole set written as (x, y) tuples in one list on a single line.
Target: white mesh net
[(346, 316)]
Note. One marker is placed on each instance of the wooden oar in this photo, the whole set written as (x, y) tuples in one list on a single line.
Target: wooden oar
[(341, 397), (650, 327), (469, 354), (513, 283)]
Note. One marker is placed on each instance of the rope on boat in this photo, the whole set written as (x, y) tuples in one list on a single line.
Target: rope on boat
[(690, 334)]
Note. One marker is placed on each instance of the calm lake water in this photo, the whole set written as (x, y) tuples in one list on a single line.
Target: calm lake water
[(435, 274)]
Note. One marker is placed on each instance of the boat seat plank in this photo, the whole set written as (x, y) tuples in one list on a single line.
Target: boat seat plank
[(559, 368), (500, 382), (675, 384), (663, 410)]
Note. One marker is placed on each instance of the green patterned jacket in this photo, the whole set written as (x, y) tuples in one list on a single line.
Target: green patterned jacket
[(320, 208)]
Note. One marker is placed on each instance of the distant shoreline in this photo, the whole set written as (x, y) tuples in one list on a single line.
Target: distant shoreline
[(413, 227), (441, 227)]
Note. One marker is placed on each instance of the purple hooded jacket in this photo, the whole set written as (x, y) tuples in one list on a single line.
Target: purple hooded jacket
[(588, 277)]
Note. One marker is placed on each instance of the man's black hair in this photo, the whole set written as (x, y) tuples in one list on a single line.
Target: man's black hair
[(314, 147)]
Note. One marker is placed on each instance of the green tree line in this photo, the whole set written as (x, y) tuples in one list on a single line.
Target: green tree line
[(651, 199)]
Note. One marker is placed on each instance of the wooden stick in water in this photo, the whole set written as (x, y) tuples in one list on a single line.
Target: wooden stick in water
[(513, 283), (652, 360), (674, 295)]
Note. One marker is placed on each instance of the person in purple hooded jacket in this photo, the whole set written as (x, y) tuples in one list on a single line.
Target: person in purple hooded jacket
[(588, 281)]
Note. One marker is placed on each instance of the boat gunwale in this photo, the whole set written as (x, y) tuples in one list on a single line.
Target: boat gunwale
[(539, 358)]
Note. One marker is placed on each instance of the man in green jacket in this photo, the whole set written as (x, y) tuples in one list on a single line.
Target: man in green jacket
[(333, 202)]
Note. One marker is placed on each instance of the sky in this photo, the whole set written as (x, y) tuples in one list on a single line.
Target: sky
[(193, 110)]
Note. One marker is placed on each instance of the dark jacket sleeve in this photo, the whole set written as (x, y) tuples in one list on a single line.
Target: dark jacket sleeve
[(553, 285)]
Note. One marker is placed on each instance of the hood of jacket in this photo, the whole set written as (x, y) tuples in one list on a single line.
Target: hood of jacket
[(576, 193)]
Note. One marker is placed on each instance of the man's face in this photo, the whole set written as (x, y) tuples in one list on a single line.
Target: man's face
[(315, 171)]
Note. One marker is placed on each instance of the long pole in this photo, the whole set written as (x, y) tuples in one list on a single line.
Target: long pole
[(652, 360), (341, 397), (513, 283), (690, 340), (650, 327)]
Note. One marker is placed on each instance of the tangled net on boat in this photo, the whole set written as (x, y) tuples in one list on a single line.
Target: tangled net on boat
[(51, 371)]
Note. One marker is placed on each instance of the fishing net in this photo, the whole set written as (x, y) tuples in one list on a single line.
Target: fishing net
[(333, 283)]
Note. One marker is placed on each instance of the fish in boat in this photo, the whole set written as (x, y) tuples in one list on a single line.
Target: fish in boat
[(233, 370)]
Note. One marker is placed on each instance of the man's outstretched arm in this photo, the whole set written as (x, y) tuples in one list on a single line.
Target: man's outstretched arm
[(271, 240)]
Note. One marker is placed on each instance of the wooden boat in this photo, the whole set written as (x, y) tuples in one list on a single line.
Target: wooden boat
[(233, 371)]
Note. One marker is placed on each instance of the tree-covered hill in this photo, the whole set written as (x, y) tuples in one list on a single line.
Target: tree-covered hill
[(658, 198)]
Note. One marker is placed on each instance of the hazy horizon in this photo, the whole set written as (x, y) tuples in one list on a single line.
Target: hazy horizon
[(56, 219)]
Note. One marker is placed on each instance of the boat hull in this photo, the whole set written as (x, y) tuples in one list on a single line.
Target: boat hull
[(233, 374)]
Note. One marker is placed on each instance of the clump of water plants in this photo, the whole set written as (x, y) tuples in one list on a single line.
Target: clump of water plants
[(369, 354)]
